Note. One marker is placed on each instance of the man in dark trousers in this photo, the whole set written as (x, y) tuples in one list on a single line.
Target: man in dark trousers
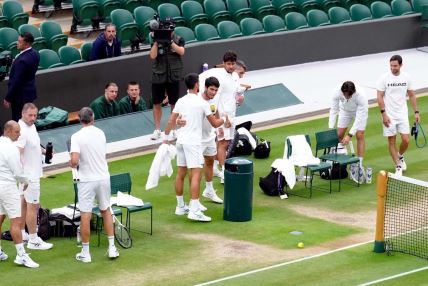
[(22, 77)]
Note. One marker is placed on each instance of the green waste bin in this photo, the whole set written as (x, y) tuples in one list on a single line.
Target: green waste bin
[(238, 189)]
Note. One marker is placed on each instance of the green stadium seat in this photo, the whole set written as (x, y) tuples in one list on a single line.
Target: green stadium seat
[(228, 29), (401, 7), (380, 9), (417, 5), (305, 5), (317, 18), (206, 32), (261, 8), (329, 139), (216, 11), (186, 33), (49, 59), (339, 15), (14, 13), (283, 7), (3, 19), (154, 4), (53, 34), (168, 10), (106, 7), (9, 39), (143, 15), (251, 26), (295, 20), (360, 12), (348, 3), (193, 13), (131, 5), (273, 23), (85, 13), (327, 4), (85, 50), (39, 41), (239, 10), (69, 55), (126, 27)]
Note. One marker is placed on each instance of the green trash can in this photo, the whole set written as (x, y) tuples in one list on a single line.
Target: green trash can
[(238, 189)]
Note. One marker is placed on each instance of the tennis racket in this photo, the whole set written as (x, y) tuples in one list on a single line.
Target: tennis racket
[(74, 171), (418, 132), (121, 232)]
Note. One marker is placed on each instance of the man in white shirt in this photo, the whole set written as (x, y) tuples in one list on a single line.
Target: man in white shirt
[(11, 172), (192, 110), (228, 97), (350, 103), (31, 158), (392, 89), (88, 151)]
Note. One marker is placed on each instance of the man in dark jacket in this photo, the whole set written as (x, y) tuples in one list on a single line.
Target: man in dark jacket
[(107, 45), (22, 77), (106, 105), (133, 102)]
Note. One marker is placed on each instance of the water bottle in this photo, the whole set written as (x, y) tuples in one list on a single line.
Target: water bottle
[(204, 67), (78, 237), (48, 153), (369, 175)]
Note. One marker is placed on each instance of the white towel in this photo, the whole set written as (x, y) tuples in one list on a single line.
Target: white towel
[(161, 165), (251, 139), (125, 200), (286, 168), (301, 152)]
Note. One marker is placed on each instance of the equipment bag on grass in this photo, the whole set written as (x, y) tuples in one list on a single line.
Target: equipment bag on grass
[(62, 226), (273, 184), (43, 225), (51, 117), (262, 149)]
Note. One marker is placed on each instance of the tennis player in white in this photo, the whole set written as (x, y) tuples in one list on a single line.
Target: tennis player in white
[(192, 109), (350, 103), (392, 89), (88, 151), (31, 158)]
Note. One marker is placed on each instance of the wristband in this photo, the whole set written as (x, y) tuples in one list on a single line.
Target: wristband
[(416, 111), (382, 110)]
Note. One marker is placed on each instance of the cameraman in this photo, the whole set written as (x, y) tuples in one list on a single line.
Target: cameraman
[(167, 72)]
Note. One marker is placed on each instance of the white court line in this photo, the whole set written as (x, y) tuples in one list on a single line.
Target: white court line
[(282, 264), (394, 276)]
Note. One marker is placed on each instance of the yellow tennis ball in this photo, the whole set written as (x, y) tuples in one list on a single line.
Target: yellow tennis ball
[(300, 245)]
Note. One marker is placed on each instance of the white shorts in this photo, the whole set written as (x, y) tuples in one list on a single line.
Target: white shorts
[(189, 156), (346, 118), (88, 191), (32, 193), (209, 148), (401, 126), (10, 201)]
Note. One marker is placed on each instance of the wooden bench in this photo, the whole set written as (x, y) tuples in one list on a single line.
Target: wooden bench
[(73, 117)]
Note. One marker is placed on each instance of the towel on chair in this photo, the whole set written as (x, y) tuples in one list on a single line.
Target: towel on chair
[(301, 154), (286, 168)]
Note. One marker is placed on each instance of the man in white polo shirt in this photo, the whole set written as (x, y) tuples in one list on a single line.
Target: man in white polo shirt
[(88, 151), (31, 158), (392, 89), (11, 172), (192, 109)]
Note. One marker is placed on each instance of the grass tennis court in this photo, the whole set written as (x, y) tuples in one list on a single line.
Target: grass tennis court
[(182, 252)]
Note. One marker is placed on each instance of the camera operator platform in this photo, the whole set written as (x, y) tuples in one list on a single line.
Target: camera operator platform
[(167, 70)]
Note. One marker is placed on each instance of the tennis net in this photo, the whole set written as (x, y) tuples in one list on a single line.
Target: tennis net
[(406, 216)]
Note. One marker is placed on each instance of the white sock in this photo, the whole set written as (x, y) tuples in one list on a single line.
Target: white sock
[(32, 236), (194, 205), (215, 166), (209, 186), (110, 241), (180, 201), (361, 161), (20, 250), (222, 169), (85, 247), (24, 233)]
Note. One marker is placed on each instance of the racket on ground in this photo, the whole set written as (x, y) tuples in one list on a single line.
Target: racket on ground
[(74, 171), (121, 232)]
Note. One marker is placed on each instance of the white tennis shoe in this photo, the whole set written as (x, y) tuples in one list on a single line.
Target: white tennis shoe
[(3, 255), (402, 163), (398, 171), (25, 260), (211, 194), (183, 210), (39, 244), (84, 257), (156, 135), (112, 252), (198, 216), (202, 207)]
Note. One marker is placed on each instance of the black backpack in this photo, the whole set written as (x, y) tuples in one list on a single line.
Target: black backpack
[(262, 150), (43, 229), (243, 146), (273, 184), (334, 172), (62, 226)]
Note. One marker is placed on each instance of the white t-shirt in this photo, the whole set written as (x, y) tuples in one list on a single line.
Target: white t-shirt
[(194, 110), (208, 131), (229, 84), (395, 88), (356, 106), (32, 155), (90, 142), (10, 164)]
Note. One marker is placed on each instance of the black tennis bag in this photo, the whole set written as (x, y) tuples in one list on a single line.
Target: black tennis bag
[(262, 149), (243, 146), (334, 172), (273, 184)]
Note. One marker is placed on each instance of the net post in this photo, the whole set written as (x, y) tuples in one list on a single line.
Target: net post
[(381, 189)]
